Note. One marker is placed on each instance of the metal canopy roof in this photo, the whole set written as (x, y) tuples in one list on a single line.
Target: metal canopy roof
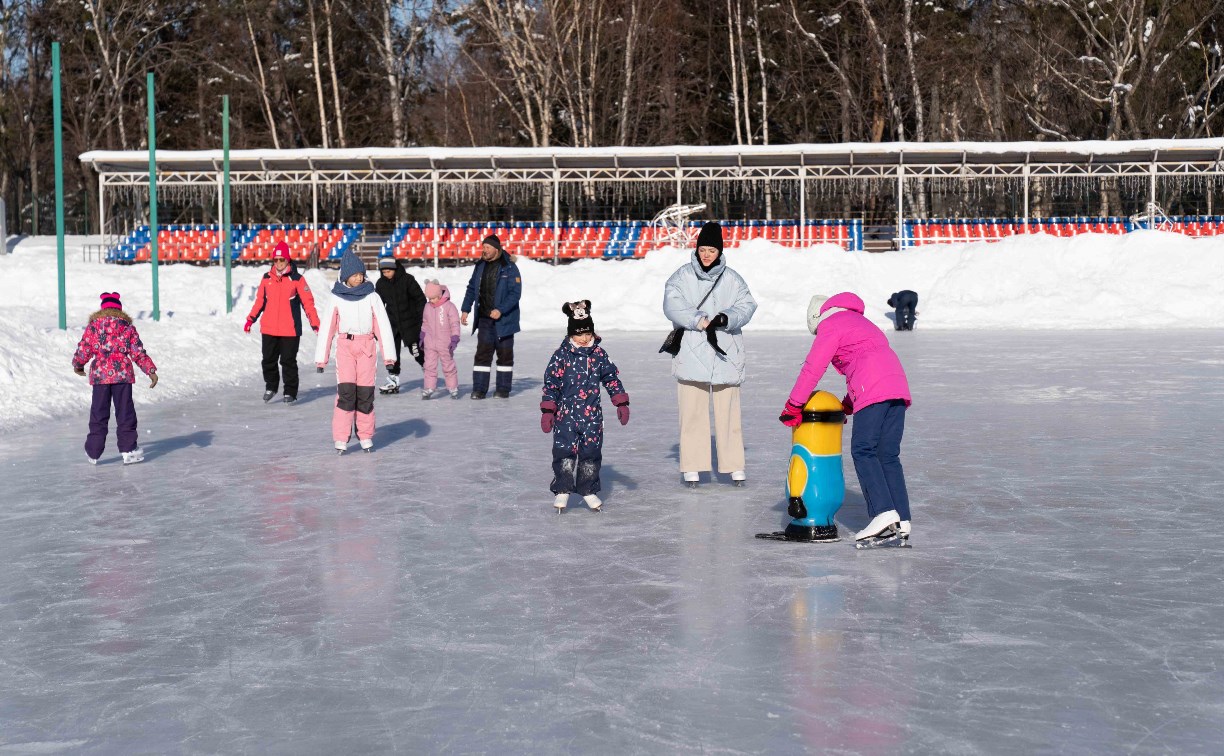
[(772, 162)]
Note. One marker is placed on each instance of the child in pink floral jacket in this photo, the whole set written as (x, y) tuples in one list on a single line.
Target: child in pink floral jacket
[(112, 343)]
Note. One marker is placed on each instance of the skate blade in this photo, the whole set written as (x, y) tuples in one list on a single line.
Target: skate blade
[(691, 485), (883, 542), (780, 535)]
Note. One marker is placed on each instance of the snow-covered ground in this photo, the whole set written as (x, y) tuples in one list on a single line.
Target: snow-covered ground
[(1142, 280)]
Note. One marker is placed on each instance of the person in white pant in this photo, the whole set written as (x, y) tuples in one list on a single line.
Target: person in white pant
[(712, 303)]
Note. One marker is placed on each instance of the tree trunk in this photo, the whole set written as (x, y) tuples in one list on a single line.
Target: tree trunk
[(337, 107), (317, 74)]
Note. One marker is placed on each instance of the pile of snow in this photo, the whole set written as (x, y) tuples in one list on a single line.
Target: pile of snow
[(1146, 279)]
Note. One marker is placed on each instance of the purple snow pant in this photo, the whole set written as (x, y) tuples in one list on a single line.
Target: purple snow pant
[(99, 418)]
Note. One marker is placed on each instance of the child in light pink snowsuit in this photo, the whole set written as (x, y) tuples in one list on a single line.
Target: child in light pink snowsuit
[(357, 322), (440, 335)]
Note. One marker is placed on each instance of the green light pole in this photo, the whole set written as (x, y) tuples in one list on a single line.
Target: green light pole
[(59, 186), (153, 196), (226, 250)]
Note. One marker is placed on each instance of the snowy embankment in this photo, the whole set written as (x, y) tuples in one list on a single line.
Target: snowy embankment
[(1143, 280)]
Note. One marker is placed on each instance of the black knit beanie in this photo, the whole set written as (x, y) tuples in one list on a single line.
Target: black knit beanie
[(711, 236), (579, 317), (494, 242)]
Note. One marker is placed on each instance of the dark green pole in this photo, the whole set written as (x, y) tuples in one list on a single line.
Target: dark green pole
[(226, 252), (153, 196), (59, 186)]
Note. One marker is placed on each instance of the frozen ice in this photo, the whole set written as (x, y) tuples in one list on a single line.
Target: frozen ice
[(245, 590)]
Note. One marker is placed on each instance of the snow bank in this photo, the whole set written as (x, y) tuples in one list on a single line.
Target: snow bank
[(1143, 280), (1146, 279)]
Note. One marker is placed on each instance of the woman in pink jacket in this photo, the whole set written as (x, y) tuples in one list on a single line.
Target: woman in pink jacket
[(877, 394), (440, 335)]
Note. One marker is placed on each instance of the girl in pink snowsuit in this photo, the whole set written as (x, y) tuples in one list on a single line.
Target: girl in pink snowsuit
[(357, 322), (111, 343), (440, 335)]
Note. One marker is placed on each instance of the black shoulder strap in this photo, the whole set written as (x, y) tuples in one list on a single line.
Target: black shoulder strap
[(711, 291)]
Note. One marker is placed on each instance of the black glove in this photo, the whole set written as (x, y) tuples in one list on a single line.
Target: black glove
[(712, 335), (318, 369), (719, 321)]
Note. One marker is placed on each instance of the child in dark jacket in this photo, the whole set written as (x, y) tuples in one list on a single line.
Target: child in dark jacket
[(571, 411), (112, 343)]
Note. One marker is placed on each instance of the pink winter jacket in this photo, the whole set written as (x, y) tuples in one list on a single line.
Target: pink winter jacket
[(111, 341), (858, 350), (439, 323)]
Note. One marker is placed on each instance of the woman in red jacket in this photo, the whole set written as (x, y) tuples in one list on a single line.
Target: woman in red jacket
[(283, 294)]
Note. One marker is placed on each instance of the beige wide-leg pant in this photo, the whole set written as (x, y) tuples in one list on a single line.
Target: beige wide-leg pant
[(694, 400)]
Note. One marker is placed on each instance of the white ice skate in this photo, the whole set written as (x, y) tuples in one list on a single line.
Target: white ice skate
[(691, 479), (738, 477), (455, 394), (391, 386), (561, 501), (92, 461), (367, 445), (593, 502), (882, 525), (341, 447), (134, 456), (903, 530), (426, 393)]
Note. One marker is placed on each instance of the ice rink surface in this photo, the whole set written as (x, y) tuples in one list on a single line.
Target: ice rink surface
[(247, 591)]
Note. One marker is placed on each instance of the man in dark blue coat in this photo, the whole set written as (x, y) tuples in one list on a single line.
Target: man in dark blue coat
[(494, 290), (906, 304)]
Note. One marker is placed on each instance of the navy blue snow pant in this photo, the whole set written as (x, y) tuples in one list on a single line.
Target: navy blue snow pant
[(104, 394), (875, 445), (577, 458), (487, 344)]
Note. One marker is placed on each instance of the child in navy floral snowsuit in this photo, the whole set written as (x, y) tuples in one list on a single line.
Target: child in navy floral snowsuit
[(570, 408)]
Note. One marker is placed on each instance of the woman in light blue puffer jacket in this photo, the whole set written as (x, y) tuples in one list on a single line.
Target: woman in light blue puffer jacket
[(710, 364)]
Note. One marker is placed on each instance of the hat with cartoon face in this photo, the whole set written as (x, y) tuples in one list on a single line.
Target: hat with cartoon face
[(580, 321)]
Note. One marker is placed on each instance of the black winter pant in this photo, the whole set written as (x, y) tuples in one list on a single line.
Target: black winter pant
[(487, 344), (905, 304), (400, 341), (283, 349)]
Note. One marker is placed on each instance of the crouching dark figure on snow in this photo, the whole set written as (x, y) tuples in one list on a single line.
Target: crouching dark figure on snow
[(906, 304)]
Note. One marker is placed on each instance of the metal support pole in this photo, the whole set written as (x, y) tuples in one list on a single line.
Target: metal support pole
[(59, 187), (102, 207), (679, 185), (314, 214), (437, 241), (1026, 196), (901, 206), (556, 214), (227, 252), (153, 195), (802, 206), (1152, 193)]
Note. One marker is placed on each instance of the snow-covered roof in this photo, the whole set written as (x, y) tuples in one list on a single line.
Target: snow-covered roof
[(377, 159)]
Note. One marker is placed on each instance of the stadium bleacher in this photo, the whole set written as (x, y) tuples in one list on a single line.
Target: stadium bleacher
[(607, 240), (946, 230), (201, 244), (576, 240)]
